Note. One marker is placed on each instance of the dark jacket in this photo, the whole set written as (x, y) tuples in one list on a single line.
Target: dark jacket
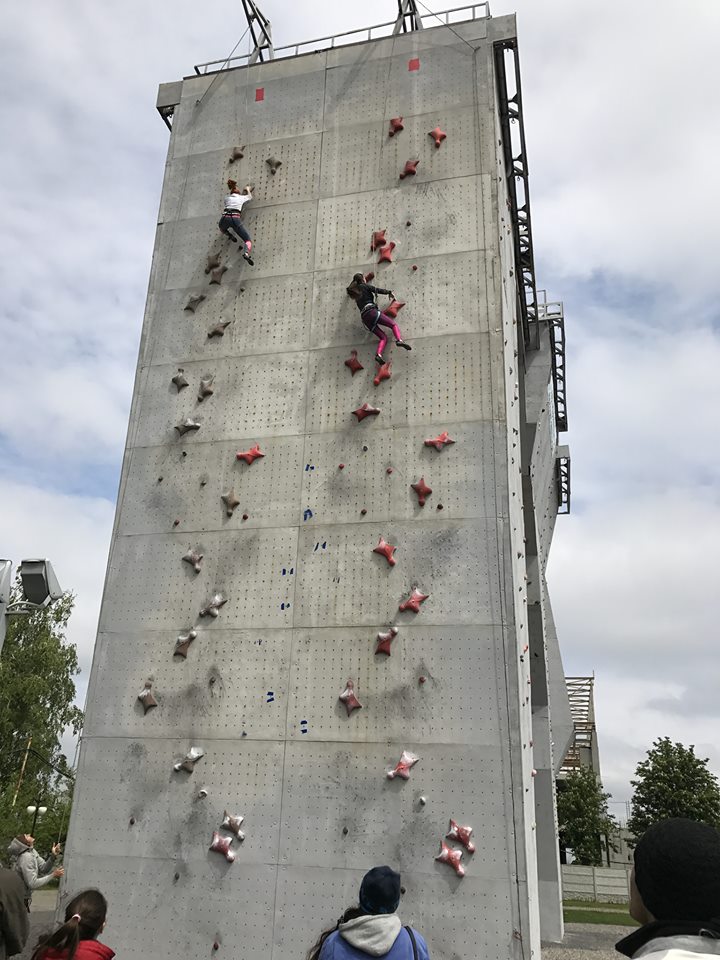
[(365, 294), (14, 922)]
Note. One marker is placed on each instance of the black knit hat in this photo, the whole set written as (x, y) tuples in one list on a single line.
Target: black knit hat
[(677, 870), (380, 890)]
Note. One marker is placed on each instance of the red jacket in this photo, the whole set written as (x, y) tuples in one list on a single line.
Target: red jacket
[(87, 950)]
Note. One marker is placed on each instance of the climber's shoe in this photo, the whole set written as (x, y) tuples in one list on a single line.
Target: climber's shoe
[(379, 358), (405, 346), (246, 256)]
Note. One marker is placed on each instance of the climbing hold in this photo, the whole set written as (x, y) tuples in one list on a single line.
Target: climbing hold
[(403, 767), (451, 857), (414, 64), (194, 302), (386, 550), (180, 380), (216, 945), (349, 699), (189, 760), (183, 642), (410, 169), (159, 479), (414, 266), (194, 559), (394, 308), (202, 793), (384, 373), (365, 449), (213, 262), (422, 801), (187, 426), (249, 456), (438, 136), (462, 835), (176, 523), (439, 507), (363, 512), (413, 601), (353, 364), (422, 679), (146, 697), (422, 490), (274, 164), (365, 411), (341, 466), (244, 516), (408, 223), (222, 845), (233, 824), (396, 125), (386, 253), (369, 276), (132, 821), (212, 607), (385, 640), (230, 501), (389, 470), (237, 154), (442, 440), (219, 329), (378, 239), (206, 388), (216, 275)]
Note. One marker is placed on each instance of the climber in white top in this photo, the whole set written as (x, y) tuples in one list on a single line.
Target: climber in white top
[(231, 218)]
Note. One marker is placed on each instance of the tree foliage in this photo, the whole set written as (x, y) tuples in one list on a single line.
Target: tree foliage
[(37, 689), (673, 782), (583, 818)]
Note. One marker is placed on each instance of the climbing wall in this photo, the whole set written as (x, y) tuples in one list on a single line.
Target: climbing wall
[(315, 614)]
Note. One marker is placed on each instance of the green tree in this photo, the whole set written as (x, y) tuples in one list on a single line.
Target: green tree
[(583, 817), (37, 689), (673, 782)]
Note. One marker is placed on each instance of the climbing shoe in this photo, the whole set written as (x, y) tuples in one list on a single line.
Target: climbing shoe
[(405, 346), (246, 256), (379, 358)]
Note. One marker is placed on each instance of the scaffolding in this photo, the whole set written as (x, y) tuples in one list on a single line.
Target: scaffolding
[(583, 751)]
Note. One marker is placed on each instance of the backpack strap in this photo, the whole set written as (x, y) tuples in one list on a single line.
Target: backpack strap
[(413, 941)]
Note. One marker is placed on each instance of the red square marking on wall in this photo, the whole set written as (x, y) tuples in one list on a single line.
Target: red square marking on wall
[(414, 64), (259, 94)]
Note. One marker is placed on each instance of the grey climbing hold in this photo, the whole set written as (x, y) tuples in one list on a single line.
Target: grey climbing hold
[(180, 380), (206, 388), (194, 302), (274, 164), (187, 426)]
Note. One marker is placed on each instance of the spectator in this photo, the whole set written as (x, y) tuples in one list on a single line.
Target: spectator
[(373, 929), (14, 923), (675, 892), (77, 938), (34, 871)]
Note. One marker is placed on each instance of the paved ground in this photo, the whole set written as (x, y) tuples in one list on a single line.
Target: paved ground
[(41, 918), (586, 941)]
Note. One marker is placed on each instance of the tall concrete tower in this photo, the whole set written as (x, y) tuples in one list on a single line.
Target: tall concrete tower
[(245, 593)]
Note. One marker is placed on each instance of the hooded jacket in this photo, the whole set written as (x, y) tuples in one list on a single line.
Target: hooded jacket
[(34, 871), (14, 923), (680, 940), (373, 935), (86, 950)]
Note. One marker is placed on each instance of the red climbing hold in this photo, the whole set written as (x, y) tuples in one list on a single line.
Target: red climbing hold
[(394, 308), (461, 835), (452, 858), (349, 699), (369, 276), (385, 639), (389, 471), (414, 64), (222, 845), (422, 490), (378, 239), (384, 373), (406, 762), (413, 601), (353, 364), (410, 169), (365, 411), (259, 94), (254, 453), (386, 252), (414, 266), (442, 440), (396, 125), (341, 466), (438, 136), (386, 550)]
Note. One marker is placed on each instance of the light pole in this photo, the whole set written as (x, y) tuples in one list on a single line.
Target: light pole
[(36, 812), (40, 588)]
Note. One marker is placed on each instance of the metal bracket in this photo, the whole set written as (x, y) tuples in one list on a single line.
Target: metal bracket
[(408, 18), (562, 478), (553, 312), (260, 31)]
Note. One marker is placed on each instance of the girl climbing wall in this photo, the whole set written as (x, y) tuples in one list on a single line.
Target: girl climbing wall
[(364, 295), (232, 217)]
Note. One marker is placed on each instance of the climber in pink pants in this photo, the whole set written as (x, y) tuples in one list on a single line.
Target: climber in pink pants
[(364, 295)]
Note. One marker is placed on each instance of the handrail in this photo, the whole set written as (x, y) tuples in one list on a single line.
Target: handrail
[(330, 42)]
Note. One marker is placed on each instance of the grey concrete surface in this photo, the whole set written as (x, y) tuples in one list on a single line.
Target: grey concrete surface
[(306, 594), (586, 941)]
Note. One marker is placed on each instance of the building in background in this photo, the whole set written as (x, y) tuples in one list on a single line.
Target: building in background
[(271, 525)]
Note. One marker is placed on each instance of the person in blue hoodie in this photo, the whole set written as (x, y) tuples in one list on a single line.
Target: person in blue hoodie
[(372, 929)]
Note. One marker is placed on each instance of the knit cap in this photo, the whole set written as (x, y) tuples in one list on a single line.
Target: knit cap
[(380, 890)]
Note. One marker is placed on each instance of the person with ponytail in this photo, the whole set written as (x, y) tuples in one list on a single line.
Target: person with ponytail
[(77, 937), (372, 929), (371, 316)]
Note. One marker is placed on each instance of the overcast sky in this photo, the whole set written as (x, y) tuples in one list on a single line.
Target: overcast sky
[(623, 140)]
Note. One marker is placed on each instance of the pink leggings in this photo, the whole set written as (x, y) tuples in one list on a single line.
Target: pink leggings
[(374, 320)]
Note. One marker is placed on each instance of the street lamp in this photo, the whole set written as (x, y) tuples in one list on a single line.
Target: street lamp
[(36, 812), (40, 588)]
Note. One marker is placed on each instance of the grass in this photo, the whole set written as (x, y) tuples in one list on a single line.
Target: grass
[(589, 911)]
